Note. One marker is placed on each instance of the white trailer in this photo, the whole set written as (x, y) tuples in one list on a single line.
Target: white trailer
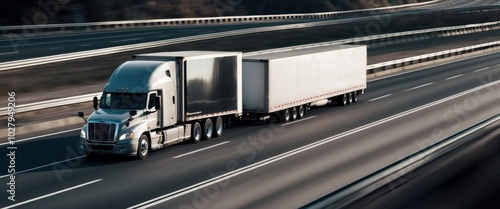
[(286, 83)]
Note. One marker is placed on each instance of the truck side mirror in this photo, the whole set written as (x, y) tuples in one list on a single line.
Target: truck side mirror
[(95, 103), (80, 114), (157, 103), (131, 113)]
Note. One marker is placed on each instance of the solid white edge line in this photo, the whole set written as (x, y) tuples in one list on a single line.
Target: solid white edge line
[(388, 95), (42, 166), (303, 119), (482, 69), (52, 194), (453, 77), (421, 86), (219, 144), (194, 187), (41, 136)]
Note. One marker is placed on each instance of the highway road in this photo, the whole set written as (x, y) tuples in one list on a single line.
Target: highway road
[(29, 45), (467, 177), (266, 165)]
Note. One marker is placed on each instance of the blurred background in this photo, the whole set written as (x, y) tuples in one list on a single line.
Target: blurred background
[(21, 12)]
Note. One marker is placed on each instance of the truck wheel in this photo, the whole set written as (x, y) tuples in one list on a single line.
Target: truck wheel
[(143, 147), (208, 129), (343, 100), (196, 132), (293, 116), (302, 111), (354, 97), (286, 115), (349, 98), (219, 127)]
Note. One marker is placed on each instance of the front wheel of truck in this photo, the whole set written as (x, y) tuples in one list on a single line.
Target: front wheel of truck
[(143, 147)]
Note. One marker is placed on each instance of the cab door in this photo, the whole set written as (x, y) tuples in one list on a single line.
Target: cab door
[(153, 115)]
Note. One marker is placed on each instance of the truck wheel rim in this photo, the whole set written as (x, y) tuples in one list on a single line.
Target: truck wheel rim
[(197, 133), (209, 129), (287, 115), (301, 111), (218, 127), (144, 147)]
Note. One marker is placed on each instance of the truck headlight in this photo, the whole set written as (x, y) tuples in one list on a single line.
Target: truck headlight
[(83, 134), (126, 136)]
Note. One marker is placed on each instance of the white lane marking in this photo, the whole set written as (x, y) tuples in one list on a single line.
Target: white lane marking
[(84, 39), (86, 44), (286, 124), (228, 175), (5, 53), (52, 194), (498, 65), (178, 156), (454, 77), (124, 40), (388, 95), (421, 86), (41, 136), (482, 69), (43, 166)]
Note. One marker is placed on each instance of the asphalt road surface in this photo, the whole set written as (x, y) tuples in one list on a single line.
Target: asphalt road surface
[(265, 165)]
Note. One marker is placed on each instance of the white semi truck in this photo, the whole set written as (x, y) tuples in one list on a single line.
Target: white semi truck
[(160, 99), (285, 84)]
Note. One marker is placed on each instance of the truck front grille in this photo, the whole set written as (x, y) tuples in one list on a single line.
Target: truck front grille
[(102, 132)]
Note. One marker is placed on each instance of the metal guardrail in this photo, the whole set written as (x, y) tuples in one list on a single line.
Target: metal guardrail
[(429, 57), (370, 69), (433, 32), (205, 20), (346, 195), (52, 103)]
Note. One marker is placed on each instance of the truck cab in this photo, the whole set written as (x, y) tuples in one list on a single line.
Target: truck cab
[(137, 102)]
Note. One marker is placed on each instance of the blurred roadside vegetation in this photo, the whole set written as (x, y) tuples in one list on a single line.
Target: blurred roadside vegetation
[(23, 12)]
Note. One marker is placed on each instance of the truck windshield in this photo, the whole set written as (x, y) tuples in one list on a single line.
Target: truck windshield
[(123, 100)]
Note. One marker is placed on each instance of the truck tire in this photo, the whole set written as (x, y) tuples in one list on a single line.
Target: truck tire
[(343, 100), (349, 98), (294, 114), (286, 115), (354, 97), (208, 129), (219, 127), (301, 111), (143, 147), (196, 132)]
